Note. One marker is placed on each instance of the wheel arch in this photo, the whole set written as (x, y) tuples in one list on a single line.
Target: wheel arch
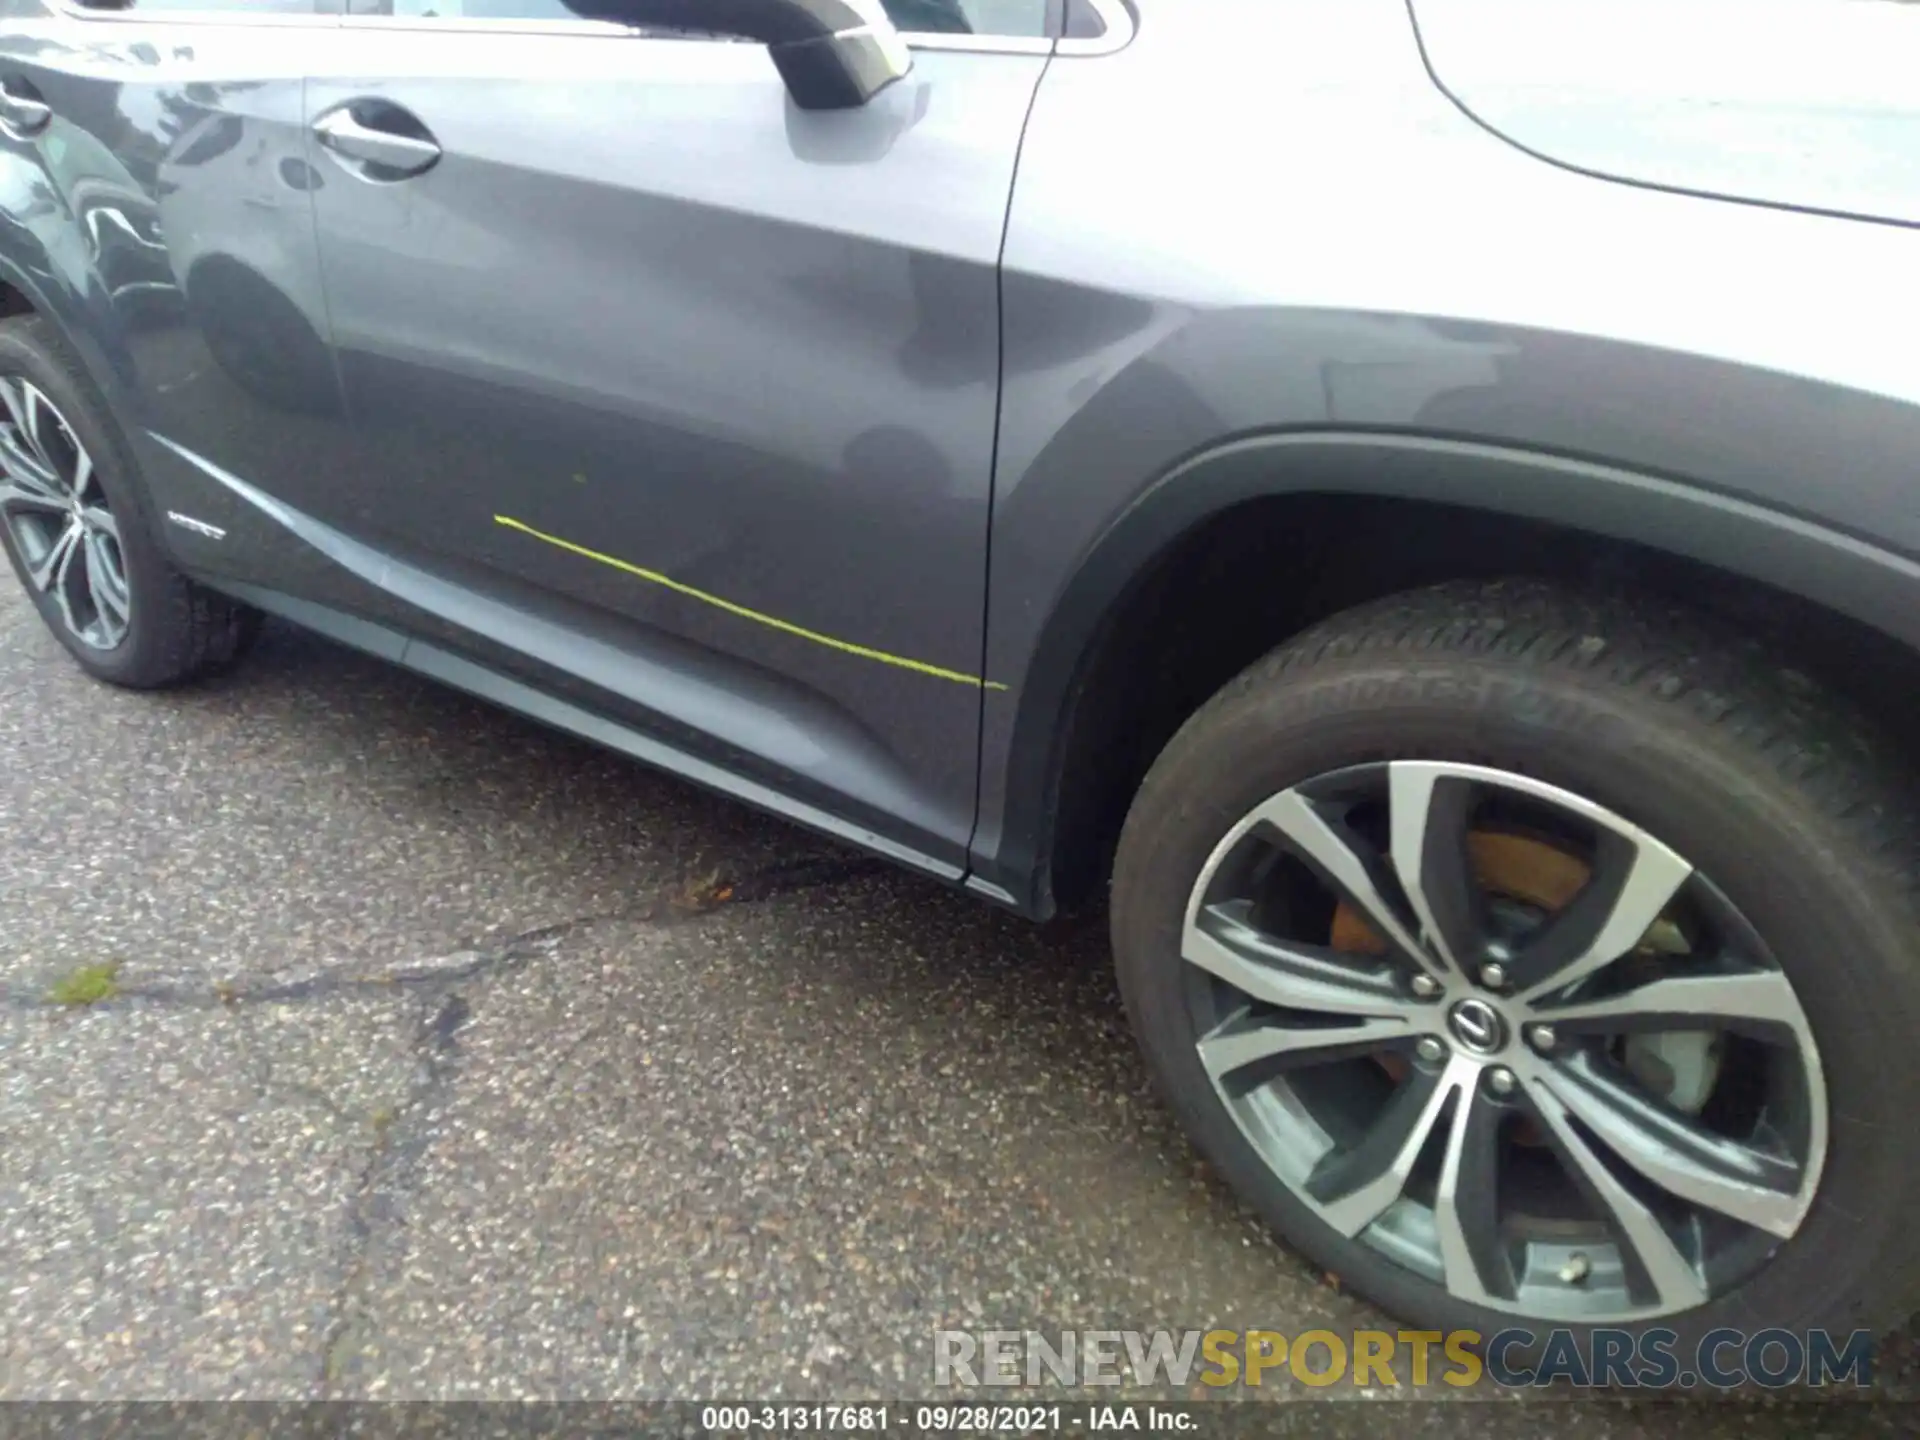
[(1514, 489), (30, 284)]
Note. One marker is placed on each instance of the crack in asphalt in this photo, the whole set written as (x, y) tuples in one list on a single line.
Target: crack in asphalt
[(402, 1133), (680, 902), (377, 1203), (376, 1207)]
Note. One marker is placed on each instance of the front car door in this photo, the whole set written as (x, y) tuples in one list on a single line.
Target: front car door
[(689, 394)]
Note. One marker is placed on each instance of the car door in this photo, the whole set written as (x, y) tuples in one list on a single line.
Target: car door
[(174, 241), (689, 394)]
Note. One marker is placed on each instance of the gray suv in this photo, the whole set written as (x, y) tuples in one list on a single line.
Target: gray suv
[(1414, 510)]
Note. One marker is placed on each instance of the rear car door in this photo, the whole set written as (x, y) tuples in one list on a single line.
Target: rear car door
[(161, 147), (688, 393)]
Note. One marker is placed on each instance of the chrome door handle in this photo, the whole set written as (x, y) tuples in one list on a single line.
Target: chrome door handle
[(23, 114), (341, 133)]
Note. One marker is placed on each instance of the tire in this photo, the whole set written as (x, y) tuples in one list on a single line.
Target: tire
[(173, 630), (1791, 811)]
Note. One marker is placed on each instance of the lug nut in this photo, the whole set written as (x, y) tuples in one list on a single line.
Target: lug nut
[(1541, 1037), (1429, 1049), (1493, 975), (1425, 986), (1500, 1080)]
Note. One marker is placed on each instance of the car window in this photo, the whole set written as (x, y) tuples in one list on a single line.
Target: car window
[(1024, 18), (970, 17)]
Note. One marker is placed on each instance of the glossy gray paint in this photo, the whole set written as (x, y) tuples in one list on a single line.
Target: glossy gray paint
[(1366, 292), (761, 360), (762, 363), (1807, 103), (935, 379), (159, 218)]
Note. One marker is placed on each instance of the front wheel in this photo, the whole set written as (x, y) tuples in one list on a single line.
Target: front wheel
[(1529, 960)]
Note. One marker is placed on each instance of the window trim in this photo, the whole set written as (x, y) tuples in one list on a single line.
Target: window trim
[(978, 44), (487, 25), (93, 15), (1117, 14)]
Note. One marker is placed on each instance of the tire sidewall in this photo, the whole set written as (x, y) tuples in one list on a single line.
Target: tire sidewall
[(1824, 912)]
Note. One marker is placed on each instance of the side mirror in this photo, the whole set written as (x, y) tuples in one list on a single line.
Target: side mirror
[(836, 54)]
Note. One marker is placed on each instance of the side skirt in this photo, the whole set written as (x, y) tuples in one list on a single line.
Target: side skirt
[(510, 694)]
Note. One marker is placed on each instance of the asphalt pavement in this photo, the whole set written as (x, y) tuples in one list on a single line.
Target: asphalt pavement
[(360, 1041)]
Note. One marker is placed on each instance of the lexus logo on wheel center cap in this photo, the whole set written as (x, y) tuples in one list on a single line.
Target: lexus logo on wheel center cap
[(1477, 1026)]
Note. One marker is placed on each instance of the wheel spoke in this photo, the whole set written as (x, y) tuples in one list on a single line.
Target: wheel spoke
[(83, 475), (1298, 977), (1676, 1281), (1354, 1186), (1695, 1150), (1346, 865), (106, 586), (29, 478), (1758, 1000), (13, 394), (38, 475), (25, 473), (24, 481), (1241, 1041), (29, 414), (18, 492), (51, 569), (1428, 812), (1466, 1209), (1635, 878), (1679, 1154), (99, 518)]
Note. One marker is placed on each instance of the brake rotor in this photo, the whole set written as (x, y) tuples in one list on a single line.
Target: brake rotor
[(1535, 873), (1518, 867)]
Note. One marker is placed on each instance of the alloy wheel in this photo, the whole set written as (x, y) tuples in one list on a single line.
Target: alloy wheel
[(59, 517), (1506, 1039)]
